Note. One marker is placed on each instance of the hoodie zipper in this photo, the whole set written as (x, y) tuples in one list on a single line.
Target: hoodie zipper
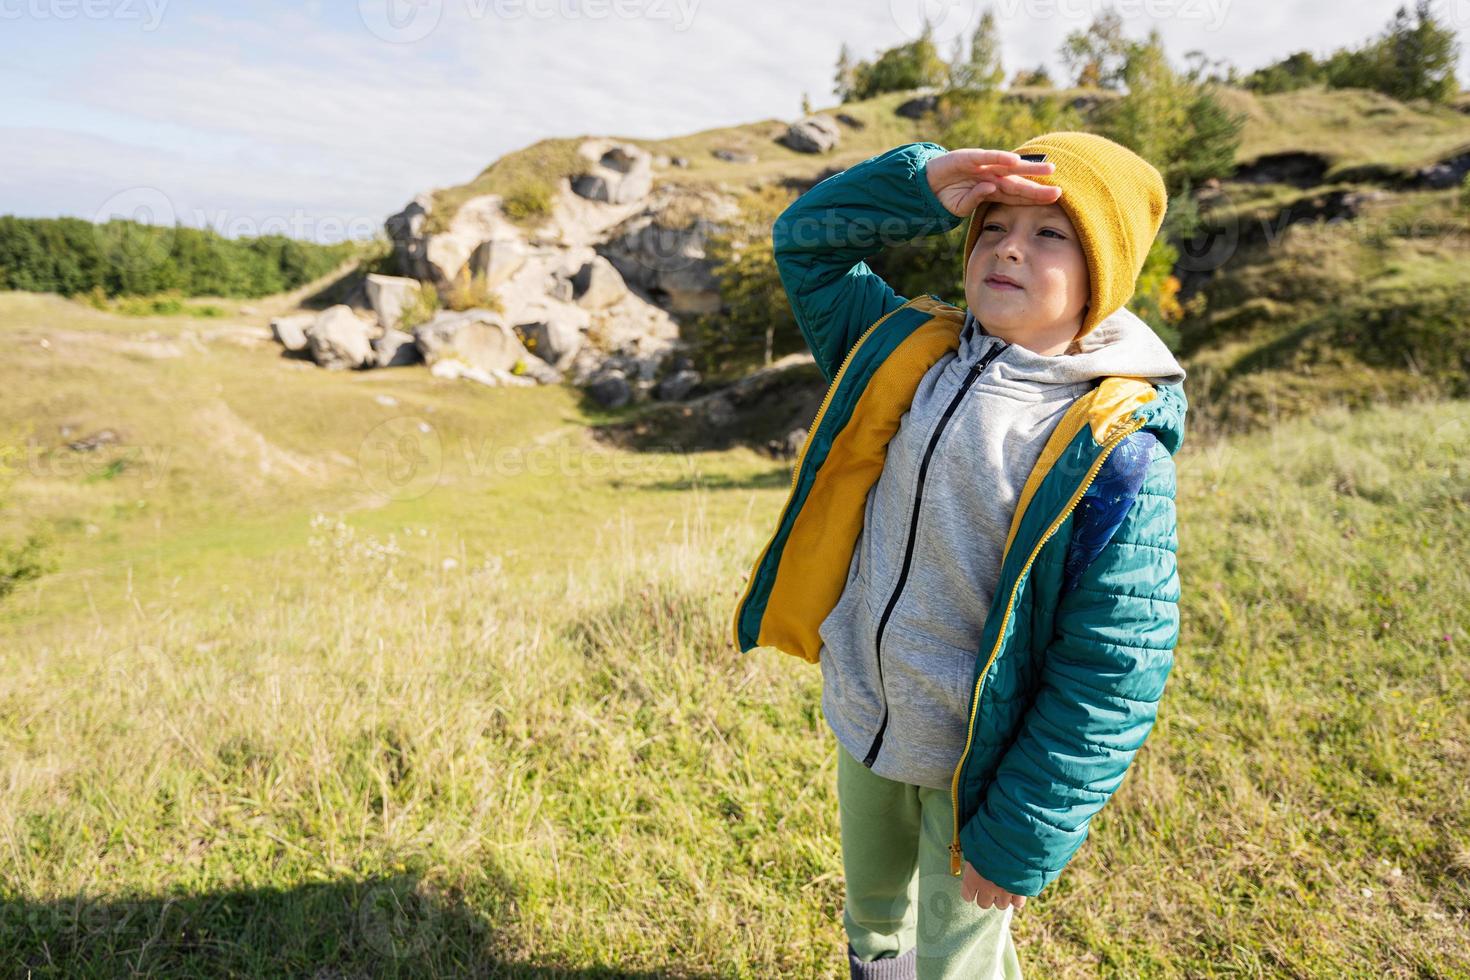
[(956, 854), (908, 551)]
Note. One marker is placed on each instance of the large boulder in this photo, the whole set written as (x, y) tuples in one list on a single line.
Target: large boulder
[(622, 174), (340, 339), (661, 249), (480, 340), (388, 295), (813, 134), (406, 232), (553, 331), (290, 331)]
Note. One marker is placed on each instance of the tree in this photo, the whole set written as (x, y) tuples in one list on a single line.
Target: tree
[(1419, 56), (1037, 77), (907, 66), (1296, 71), (1414, 58), (1171, 120), (1096, 56), (1203, 68), (755, 323), (845, 81), (983, 68)]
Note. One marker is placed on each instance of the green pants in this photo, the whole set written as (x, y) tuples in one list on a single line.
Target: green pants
[(902, 902)]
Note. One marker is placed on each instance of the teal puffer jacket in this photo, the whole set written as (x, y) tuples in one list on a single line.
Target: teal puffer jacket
[(1079, 639)]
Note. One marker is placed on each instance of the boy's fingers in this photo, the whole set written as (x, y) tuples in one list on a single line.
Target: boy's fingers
[(1027, 191), (1023, 167), (984, 157)]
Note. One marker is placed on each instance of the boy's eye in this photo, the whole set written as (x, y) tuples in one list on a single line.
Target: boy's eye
[(991, 226)]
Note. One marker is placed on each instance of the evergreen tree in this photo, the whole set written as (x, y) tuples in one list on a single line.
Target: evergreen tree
[(1096, 57), (984, 69), (845, 81)]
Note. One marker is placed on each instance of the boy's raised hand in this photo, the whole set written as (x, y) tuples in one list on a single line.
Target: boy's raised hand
[(962, 179), (974, 887)]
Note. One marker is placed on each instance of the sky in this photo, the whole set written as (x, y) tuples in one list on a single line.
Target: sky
[(318, 119)]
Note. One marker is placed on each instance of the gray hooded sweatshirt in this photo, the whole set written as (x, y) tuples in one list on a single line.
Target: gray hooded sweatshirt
[(899, 648)]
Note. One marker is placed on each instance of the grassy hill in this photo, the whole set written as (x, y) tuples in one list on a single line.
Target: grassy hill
[(345, 674), (282, 710)]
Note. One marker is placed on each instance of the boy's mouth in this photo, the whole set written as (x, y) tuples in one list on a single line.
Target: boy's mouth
[(998, 281)]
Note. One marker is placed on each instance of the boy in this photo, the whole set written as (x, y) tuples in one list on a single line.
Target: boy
[(979, 543)]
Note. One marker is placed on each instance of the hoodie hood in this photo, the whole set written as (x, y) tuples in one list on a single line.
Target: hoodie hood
[(1121, 344)]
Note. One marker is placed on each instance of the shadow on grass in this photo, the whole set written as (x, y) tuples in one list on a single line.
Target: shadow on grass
[(378, 927)]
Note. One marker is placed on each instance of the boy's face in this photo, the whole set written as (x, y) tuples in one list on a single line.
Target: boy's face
[(1036, 246)]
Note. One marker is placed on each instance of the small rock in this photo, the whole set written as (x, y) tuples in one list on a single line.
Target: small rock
[(610, 389), (813, 134), (676, 386), (918, 108), (734, 156), (95, 441)]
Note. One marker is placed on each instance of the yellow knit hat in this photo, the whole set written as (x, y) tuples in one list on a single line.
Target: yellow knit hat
[(1116, 202)]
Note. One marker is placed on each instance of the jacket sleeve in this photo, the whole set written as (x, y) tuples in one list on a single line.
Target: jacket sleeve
[(1101, 681), (822, 239)]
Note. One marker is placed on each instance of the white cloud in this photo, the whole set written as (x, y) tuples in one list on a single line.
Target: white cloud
[(305, 109)]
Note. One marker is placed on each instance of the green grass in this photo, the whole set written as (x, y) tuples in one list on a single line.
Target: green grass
[(1304, 316), (271, 720), (1349, 128)]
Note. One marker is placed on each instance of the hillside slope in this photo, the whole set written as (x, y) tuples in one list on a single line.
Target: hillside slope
[(366, 698)]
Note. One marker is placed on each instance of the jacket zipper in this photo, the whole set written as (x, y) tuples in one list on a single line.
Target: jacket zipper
[(956, 855), (908, 551), (800, 456)]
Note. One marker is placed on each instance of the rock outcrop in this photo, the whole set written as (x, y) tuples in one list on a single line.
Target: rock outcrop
[(588, 295)]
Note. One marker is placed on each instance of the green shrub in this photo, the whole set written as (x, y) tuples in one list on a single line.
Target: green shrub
[(755, 324), (527, 200), (916, 64), (24, 560), (425, 304), (472, 292)]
